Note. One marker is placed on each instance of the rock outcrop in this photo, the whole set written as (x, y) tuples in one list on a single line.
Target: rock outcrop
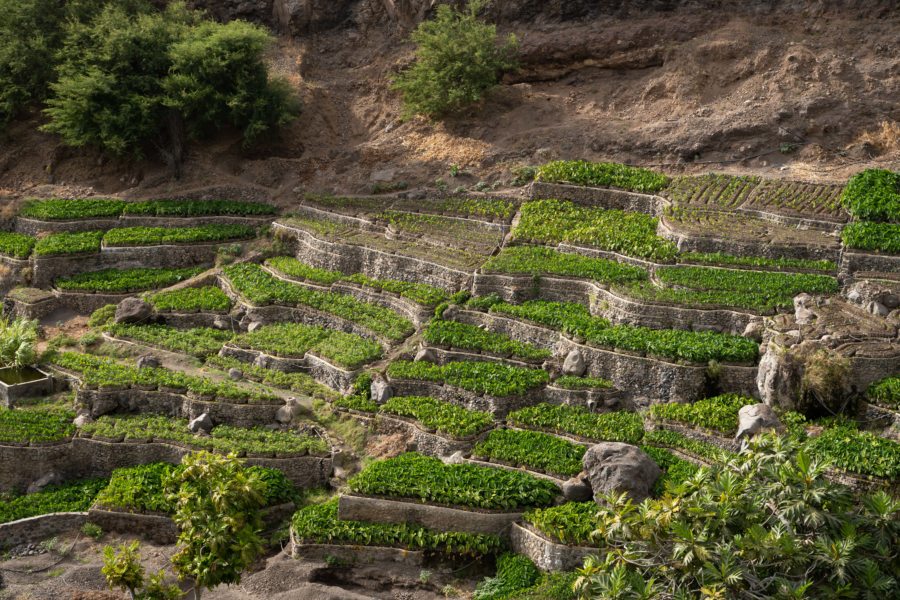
[(617, 467)]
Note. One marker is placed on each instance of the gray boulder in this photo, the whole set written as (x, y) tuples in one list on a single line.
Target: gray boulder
[(574, 364), (380, 391), (877, 308), (425, 354), (578, 489), (779, 376), (235, 374), (289, 411), (82, 420), (617, 467), (803, 312), (203, 424), (253, 326), (755, 418), (147, 361), (133, 310), (755, 330)]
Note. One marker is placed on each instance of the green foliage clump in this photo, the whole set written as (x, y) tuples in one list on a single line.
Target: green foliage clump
[(156, 236), (16, 245), (866, 235), (197, 208), (59, 244), (62, 209), (18, 342), (476, 376), (319, 524), (720, 258), (514, 573), (428, 479), (616, 175), (674, 344), (672, 439), (862, 452), (36, 424), (120, 281), (361, 402), (570, 382), (532, 450), (550, 586), (199, 341), (71, 497), (574, 420), (767, 524), (719, 413), (444, 417), (296, 382), (538, 260), (458, 60), (102, 316), (138, 489), (451, 334), (207, 298), (676, 470), (294, 340), (127, 79), (886, 391), (262, 288), (569, 523), (628, 233), (873, 195)]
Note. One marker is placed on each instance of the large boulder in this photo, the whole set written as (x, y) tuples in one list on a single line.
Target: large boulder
[(617, 467), (202, 424), (755, 418), (133, 310), (574, 364), (425, 355), (380, 391), (778, 377), (808, 378)]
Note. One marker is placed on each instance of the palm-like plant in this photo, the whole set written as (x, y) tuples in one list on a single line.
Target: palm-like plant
[(17, 342)]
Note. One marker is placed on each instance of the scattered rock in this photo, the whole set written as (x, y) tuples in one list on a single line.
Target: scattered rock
[(44, 481), (802, 312), (222, 323), (425, 354), (867, 292), (878, 309), (456, 458), (148, 361), (82, 420), (203, 423), (290, 411), (574, 364), (235, 374), (754, 330), (578, 489), (133, 310), (254, 325), (380, 391), (755, 418), (618, 467)]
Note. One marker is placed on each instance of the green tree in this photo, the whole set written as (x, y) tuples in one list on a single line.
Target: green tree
[(458, 60), (767, 524), (122, 568), (129, 81), (218, 505)]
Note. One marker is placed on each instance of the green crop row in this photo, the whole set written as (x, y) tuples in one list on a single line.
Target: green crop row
[(60, 244), (262, 288), (719, 413), (319, 524), (720, 258), (101, 372), (672, 439), (539, 260), (886, 392), (421, 293), (36, 425), (451, 334), (532, 450), (569, 523), (848, 449), (294, 340), (16, 245), (223, 439), (58, 209), (675, 344), (444, 417), (72, 497), (427, 479), (575, 420), (867, 235), (156, 236), (296, 382), (125, 280), (475, 376), (873, 195), (361, 402), (142, 489), (195, 299), (616, 175), (199, 341), (628, 233), (570, 382)]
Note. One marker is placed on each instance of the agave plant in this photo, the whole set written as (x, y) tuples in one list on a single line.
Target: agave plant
[(17, 342)]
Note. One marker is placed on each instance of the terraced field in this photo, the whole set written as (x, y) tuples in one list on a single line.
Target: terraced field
[(448, 369)]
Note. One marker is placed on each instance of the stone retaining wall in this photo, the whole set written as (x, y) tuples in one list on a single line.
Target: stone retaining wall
[(374, 263), (498, 407), (83, 458), (318, 368), (436, 518), (873, 265), (37, 529), (545, 554), (597, 400), (355, 554), (429, 443), (30, 226)]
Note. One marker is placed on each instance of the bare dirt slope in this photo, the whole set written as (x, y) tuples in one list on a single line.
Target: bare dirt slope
[(803, 92)]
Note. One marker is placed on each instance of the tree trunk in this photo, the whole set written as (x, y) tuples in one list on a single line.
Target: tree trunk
[(172, 148)]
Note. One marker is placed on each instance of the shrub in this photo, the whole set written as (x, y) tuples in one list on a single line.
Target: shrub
[(198, 208), (532, 450), (617, 175), (16, 245), (514, 573), (138, 489), (886, 391), (297, 382), (69, 243), (865, 235), (575, 420), (458, 60), (469, 337), (204, 299), (873, 195), (102, 316), (570, 523), (848, 449), (125, 280), (427, 479), (18, 342), (538, 260), (719, 413), (672, 439), (476, 376), (319, 523), (445, 417)]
